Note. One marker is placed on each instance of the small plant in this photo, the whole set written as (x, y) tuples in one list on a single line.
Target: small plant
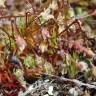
[(50, 44)]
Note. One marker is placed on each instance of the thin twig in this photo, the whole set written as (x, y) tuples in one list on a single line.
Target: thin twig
[(77, 82), (4, 17)]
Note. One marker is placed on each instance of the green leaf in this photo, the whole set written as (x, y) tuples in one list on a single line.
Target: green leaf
[(29, 61), (75, 56), (72, 69)]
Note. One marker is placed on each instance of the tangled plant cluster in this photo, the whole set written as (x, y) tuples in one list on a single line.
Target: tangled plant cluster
[(51, 43)]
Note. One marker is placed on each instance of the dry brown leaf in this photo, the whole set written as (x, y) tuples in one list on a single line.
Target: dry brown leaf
[(21, 43)]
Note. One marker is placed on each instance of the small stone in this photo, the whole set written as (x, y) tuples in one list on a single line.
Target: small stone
[(73, 92), (50, 91)]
